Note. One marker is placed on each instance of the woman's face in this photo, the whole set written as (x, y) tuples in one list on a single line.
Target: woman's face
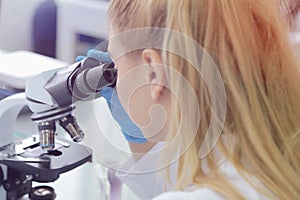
[(136, 91)]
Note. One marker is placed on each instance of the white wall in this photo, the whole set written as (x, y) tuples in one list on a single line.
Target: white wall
[(15, 24)]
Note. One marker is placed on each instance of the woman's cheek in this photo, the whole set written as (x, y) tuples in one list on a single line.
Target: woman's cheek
[(123, 88)]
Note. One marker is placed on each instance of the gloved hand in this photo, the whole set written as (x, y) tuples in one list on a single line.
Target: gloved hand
[(101, 56), (131, 132)]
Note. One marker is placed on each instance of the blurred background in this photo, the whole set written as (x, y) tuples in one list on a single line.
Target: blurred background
[(60, 29), (63, 29)]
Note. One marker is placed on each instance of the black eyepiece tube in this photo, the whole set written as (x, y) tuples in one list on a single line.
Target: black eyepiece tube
[(92, 80)]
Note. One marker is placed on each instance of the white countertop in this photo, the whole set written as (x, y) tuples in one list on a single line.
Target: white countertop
[(17, 66)]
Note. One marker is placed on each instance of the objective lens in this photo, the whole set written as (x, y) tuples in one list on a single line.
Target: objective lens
[(69, 123), (47, 134)]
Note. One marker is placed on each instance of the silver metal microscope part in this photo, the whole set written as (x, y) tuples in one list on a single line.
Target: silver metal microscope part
[(27, 160), (47, 135), (69, 123)]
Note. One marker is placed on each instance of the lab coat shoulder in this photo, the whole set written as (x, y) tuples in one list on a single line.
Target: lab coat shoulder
[(201, 193)]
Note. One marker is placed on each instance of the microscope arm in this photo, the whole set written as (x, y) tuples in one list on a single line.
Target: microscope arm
[(10, 108)]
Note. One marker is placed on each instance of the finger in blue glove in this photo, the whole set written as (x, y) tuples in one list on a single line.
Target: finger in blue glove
[(101, 56), (79, 58)]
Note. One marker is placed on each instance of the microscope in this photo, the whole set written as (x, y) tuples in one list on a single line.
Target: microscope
[(42, 157)]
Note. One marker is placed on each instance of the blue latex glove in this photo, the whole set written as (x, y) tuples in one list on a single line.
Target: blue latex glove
[(131, 132), (101, 56)]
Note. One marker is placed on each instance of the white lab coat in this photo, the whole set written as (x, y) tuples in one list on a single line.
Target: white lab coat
[(150, 185), (141, 177), (146, 178)]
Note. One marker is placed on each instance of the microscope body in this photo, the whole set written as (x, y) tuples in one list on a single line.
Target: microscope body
[(24, 161), (50, 96)]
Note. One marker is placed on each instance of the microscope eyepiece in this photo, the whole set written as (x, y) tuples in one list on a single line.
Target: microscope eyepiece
[(92, 80)]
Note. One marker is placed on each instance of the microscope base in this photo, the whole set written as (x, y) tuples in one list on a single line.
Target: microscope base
[(34, 164)]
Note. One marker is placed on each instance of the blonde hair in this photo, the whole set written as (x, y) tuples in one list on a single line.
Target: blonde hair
[(248, 41)]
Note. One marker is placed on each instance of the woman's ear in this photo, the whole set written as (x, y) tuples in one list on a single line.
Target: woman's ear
[(156, 74)]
